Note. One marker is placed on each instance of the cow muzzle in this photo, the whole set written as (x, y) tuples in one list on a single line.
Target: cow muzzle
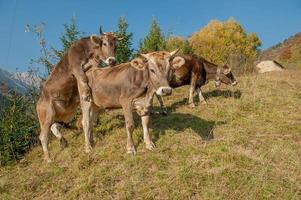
[(110, 61), (164, 91)]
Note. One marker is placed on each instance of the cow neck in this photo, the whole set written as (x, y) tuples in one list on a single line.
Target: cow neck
[(149, 84), (213, 72)]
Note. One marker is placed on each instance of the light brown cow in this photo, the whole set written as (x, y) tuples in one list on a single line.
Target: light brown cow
[(129, 86), (59, 96), (96, 49)]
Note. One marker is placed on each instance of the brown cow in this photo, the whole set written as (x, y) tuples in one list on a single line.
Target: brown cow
[(130, 86), (196, 72), (59, 96), (94, 49)]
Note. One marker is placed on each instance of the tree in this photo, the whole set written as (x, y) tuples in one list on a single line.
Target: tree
[(124, 51), (71, 34), (176, 42), (155, 40), (47, 58), (50, 56), (218, 41), (18, 128)]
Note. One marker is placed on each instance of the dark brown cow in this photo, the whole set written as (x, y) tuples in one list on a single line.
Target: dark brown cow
[(130, 86), (60, 92), (196, 72)]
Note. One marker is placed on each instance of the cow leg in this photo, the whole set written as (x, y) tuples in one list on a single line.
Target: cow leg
[(190, 100), (129, 124), (87, 124), (191, 90), (201, 98), (82, 82), (146, 136), (55, 128), (45, 115), (162, 104), (95, 113), (45, 129), (79, 120)]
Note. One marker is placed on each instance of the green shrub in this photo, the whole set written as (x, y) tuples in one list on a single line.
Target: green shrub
[(18, 126)]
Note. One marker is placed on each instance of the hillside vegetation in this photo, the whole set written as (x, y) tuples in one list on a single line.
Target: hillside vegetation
[(244, 144), (288, 52)]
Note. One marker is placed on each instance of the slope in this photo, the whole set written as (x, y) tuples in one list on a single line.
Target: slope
[(244, 144)]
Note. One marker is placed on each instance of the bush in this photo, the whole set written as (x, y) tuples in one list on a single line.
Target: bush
[(176, 42), (18, 127)]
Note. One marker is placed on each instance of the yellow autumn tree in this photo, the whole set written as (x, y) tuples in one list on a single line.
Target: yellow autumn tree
[(219, 41)]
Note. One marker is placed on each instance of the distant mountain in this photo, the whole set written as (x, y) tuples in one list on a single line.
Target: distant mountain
[(8, 82), (287, 53), (19, 82), (28, 78)]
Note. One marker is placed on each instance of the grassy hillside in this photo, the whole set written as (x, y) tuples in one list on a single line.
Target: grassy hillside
[(244, 144), (288, 52)]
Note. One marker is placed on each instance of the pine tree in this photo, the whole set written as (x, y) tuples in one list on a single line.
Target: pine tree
[(155, 40), (124, 52), (71, 34), (50, 56)]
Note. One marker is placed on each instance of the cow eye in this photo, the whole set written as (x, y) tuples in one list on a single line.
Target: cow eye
[(152, 70), (105, 44)]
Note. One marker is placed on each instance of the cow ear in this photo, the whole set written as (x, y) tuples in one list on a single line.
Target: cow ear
[(138, 63), (227, 71), (177, 62), (95, 40)]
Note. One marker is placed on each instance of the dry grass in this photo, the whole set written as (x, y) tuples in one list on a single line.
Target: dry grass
[(244, 144)]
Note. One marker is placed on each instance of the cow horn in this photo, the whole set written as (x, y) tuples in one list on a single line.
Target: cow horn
[(100, 30), (144, 55), (173, 53)]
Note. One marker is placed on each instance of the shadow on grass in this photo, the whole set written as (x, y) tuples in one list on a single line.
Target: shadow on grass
[(207, 95), (180, 122), (159, 124), (223, 93)]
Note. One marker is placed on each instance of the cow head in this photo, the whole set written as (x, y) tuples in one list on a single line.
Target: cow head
[(159, 65), (104, 47), (224, 75)]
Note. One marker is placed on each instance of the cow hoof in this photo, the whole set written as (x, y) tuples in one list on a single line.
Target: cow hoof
[(131, 151), (192, 105), (88, 149), (155, 113), (63, 143), (151, 146), (164, 113), (92, 142), (203, 102), (47, 160)]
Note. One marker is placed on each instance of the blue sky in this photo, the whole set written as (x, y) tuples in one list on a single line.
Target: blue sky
[(272, 20)]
